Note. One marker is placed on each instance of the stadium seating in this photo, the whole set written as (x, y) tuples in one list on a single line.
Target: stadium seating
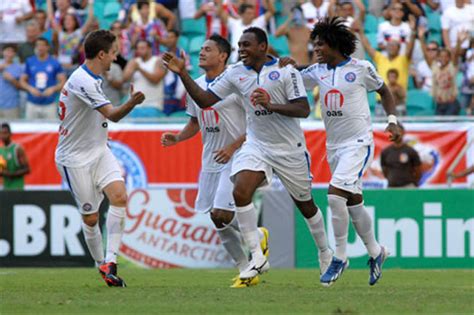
[(146, 112), (434, 21), (280, 44), (371, 23), (192, 27), (195, 44), (419, 103)]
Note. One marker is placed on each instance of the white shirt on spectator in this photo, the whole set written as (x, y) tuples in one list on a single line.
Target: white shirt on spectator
[(154, 93), (457, 19), (387, 32), (236, 29), (444, 4), (10, 31), (313, 14), (423, 73)]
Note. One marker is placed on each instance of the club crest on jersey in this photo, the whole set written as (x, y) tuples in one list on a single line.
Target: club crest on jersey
[(274, 75), (350, 77)]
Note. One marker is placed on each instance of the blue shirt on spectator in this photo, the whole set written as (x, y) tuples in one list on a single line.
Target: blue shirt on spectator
[(42, 74), (9, 94)]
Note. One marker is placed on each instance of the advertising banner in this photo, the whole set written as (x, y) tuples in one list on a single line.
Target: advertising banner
[(41, 229), (163, 231), (421, 228), (146, 163)]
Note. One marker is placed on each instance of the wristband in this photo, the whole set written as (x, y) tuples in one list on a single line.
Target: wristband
[(392, 119)]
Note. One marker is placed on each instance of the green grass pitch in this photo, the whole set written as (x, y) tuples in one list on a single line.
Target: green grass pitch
[(179, 291)]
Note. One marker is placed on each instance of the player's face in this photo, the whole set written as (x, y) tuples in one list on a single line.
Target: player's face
[(250, 51), (322, 51), (209, 55), (110, 56)]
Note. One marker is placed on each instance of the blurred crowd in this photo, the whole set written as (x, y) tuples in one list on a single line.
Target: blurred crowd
[(423, 49)]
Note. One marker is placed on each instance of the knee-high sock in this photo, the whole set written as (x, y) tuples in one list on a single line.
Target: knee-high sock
[(248, 228), (232, 242), (316, 227), (115, 225), (340, 223), (93, 239), (364, 228)]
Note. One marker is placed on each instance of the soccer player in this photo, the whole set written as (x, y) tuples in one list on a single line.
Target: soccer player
[(223, 132), (83, 158), (344, 83), (274, 101)]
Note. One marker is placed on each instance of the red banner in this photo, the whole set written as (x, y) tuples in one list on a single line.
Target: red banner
[(146, 162)]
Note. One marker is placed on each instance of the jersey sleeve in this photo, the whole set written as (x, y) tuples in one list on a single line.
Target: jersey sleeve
[(90, 92), (371, 79), (222, 86), (294, 86), (310, 79)]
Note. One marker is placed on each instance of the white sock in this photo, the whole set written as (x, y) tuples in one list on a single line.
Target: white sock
[(340, 223), (316, 227), (93, 239), (247, 218), (232, 242), (363, 226), (115, 225)]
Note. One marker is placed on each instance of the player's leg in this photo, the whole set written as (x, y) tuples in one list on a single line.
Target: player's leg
[(81, 186)]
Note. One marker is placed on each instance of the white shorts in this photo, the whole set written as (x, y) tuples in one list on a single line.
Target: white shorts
[(215, 191), (348, 165), (293, 169), (87, 183)]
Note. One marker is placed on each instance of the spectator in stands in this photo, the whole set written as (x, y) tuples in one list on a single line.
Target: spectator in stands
[(394, 59), (440, 5), (295, 30), (63, 7), (43, 79), (146, 73), (113, 84), (401, 164), (45, 31), (10, 72), (394, 29), (409, 7), (155, 11), (13, 15), (470, 80), (152, 29), (13, 161), (174, 89), (454, 20), (211, 10), (422, 74), (27, 48), (124, 44), (313, 11), (245, 20), (398, 92), (467, 86), (68, 36), (444, 89)]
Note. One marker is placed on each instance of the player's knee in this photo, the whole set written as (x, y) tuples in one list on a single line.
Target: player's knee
[(91, 219), (336, 202), (221, 218), (242, 195)]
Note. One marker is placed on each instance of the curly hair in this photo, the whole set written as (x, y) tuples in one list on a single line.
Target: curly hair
[(335, 34)]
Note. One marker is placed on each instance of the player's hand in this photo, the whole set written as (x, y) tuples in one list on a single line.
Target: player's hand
[(49, 91), (168, 139), (284, 61), (260, 97), (174, 63), (222, 156), (35, 92), (395, 132)]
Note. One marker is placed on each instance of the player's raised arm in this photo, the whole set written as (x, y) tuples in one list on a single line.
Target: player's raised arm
[(190, 130), (202, 97), (294, 108), (115, 114)]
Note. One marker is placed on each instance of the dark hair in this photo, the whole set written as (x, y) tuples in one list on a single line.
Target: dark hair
[(12, 46), (244, 7), (42, 39), (6, 126), (97, 41), (141, 3), (76, 21), (335, 34), (259, 34), (394, 71), (222, 44), (143, 41)]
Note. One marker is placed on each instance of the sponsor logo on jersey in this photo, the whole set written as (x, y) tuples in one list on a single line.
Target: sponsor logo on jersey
[(210, 119), (334, 99), (350, 77), (132, 166), (274, 75)]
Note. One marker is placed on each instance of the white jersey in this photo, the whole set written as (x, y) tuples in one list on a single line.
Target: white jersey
[(275, 133), (220, 125), (344, 106), (83, 129)]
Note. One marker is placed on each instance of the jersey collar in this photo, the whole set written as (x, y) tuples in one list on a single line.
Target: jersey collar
[(86, 69), (268, 63), (340, 64)]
